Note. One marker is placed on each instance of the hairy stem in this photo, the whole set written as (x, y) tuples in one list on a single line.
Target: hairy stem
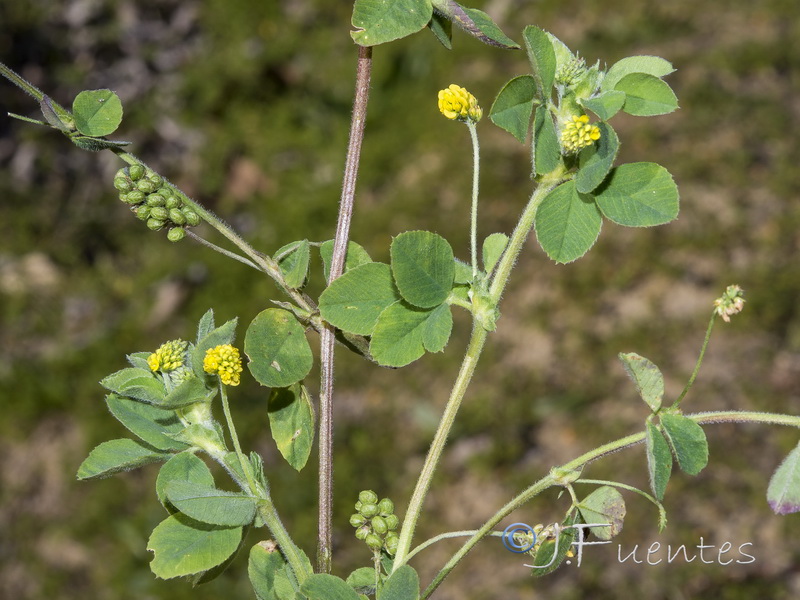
[(476, 342), (699, 359), (476, 174), (327, 333)]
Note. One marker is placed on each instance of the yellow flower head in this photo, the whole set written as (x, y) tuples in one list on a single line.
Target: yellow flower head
[(577, 134), (168, 357), (731, 303), (457, 103), (223, 361)]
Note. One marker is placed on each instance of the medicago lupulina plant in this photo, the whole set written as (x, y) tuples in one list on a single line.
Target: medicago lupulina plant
[(170, 398)]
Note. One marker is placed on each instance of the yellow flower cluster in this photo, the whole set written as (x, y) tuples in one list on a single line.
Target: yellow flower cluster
[(223, 361), (577, 134), (457, 103), (168, 357)]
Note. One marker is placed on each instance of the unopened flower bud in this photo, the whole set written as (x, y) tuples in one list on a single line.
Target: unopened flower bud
[(392, 522), (155, 199), (136, 197), (154, 224), (386, 506), (374, 541), (146, 186), (362, 532), (176, 234), (357, 520), (123, 184), (368, 497), (176, 216), (154, 178), (136, 172), (391, 542), (172, 201), (192, 218), (159, 212), (369, 510), (143, 212), (379, 525)]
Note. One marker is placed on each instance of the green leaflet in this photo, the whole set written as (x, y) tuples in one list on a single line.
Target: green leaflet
[(185, 466), (493, 247), (567, 223), (277, 347), (513, 107), (646, 376), (293, 259), (688, 442), (114, 456), (327, 587), (604, 505), (207, 504), (403, 333), (356, 256), (596, 160), (423, 267), (659, 460), (646, 96), (650, 65), (354, 301), (265, 567), (291, 421), (380, 21), (546, 150), (783, 493), (149, 423), (639, 194), (183, 546), (605, 105), (135, 383), (542, 57), (403, 584), (97, 112)]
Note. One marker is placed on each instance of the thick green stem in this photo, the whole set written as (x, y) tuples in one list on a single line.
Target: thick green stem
[(579, 463)]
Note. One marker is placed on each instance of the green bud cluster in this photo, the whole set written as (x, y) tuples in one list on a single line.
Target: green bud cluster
[(571, 72), (154, 202), (375, 522)]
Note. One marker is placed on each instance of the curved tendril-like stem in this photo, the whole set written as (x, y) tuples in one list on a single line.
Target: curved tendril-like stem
[(327, 333), (612, 447)]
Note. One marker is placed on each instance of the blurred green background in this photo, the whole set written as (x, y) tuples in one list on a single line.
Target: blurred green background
[(245, 105)]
